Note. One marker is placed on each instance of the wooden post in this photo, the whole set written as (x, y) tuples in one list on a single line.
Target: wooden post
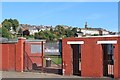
[(42, 56)]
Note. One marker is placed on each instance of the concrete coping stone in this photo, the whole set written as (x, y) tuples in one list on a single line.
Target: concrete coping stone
[(21, 38), (36, 40), (12, 42)]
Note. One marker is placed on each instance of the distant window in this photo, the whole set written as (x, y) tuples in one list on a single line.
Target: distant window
[(36, 49)]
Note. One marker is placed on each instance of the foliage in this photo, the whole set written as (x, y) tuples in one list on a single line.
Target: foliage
[(15, 24), (69, 33), (95, 35), (8, 23), (20, 31), (74, 30), (26, 33), (60, 31), (5, 33), (54, 34)]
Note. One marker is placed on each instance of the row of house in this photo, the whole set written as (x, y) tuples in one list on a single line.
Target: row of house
[(34, 29), (86, 31)]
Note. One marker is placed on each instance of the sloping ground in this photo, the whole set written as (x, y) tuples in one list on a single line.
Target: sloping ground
[(45, 76)]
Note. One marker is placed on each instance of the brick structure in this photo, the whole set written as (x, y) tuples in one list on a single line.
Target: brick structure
[(92, 56), (18, 56)]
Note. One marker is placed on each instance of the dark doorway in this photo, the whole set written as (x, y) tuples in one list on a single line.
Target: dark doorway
[(76, 55), (108, 59)]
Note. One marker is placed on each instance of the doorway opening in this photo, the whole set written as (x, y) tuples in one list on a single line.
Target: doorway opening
[(76, 59), (108, 60)]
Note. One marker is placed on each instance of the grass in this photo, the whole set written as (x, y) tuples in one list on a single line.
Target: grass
[(55, 59)]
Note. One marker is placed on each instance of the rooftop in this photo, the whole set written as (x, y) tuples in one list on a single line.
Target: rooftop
[(100, 36)]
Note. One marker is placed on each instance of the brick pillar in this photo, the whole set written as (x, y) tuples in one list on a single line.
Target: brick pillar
[(117, 60), (19, 54)]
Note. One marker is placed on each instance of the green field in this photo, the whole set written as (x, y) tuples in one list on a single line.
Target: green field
[(54, 59)]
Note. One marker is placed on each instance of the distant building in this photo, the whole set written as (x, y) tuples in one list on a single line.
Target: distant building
[(34, 29), (91, 31)]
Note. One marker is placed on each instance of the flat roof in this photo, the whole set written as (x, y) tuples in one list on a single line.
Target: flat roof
[(99, 36), (34, 40), (4, 42), (15, 41)]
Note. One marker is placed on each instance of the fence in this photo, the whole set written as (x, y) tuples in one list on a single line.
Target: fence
[(52, 48), (52, 51)]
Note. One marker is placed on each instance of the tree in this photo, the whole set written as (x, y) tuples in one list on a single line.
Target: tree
[(60, 29), (51, 30), (7, 24), (57, 33), (20, 31), (6, 33), (36, 36), (74, 30), (69, 33), (26, 32), (15, 24)]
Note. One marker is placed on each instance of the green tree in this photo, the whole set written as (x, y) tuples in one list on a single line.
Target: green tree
[(51, 30), (20, 31), (74, 30), (6, 33), (57, 33), (15, 24), (69, 33), (6, 24), (36, 36), (60, 29)]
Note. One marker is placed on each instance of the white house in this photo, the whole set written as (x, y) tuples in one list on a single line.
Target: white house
[(92, 31), (89, 31), (33, 31)]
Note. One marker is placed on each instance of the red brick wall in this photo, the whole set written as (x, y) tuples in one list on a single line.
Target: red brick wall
[(13, 55), (91, 59), (66, 58), (117, 59), (118, 56), (91, 56), (35, 57), (12, 58), (8, 57), (5, 57)]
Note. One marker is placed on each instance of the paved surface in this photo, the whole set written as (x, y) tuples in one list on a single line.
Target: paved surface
[(6, 74)]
